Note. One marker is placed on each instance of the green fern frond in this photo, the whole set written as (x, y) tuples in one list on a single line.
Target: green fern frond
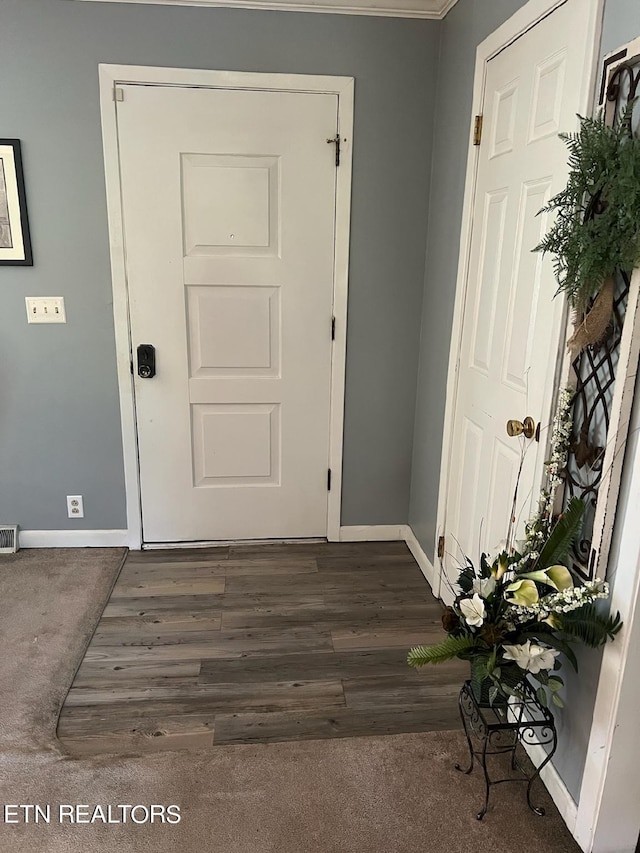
[(562, 536), (595, 230), (589, 626), (448, 649)]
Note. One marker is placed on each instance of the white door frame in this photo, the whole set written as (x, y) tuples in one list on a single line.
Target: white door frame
[(110, 77), (608, 820), (524, 19)]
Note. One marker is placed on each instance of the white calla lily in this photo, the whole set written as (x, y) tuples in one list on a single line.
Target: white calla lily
[(558, 577), (523, 593)]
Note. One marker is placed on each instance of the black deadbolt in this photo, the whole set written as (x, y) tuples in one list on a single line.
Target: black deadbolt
[(146, 361)]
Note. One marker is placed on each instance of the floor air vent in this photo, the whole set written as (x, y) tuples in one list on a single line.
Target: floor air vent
[(8, 538)]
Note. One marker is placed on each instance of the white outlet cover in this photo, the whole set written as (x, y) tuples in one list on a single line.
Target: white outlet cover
[(45, 309), (75, 506)]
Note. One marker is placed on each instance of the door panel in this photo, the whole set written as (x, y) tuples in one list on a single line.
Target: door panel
[(228, 202), (511, 321)]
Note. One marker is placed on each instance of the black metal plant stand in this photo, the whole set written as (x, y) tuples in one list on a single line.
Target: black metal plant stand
[(498, 729)]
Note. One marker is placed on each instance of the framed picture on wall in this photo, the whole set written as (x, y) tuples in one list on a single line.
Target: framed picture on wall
[(15, 242)]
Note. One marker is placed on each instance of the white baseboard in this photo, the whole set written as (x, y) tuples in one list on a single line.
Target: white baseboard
[(218, 543), (552, 781), (391, 533), (73, 538), (374, 533), (426, 566)]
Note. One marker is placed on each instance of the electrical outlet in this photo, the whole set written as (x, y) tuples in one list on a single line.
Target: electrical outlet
[(75, 508)]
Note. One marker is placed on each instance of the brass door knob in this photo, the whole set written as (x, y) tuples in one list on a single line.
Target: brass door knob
[(526, 428)]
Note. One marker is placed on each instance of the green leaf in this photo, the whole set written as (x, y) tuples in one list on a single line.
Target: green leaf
[(557, 700), (541, 693), (594, 231), (449, 648), (565, 648), (485, 568), (563, 535), (589, 626), (555, 683), (491, 663), (493, 694), (465, 580), (478, 674)]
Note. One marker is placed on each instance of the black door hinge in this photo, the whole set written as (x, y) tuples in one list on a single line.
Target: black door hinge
[(333, 328), (335, 140), (441, 547), (329, 480)]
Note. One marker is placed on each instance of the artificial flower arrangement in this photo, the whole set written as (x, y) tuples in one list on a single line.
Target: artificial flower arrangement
[(515, 613)]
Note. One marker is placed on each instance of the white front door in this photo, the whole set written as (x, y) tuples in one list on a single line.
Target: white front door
[(228, 201), (511, 323)]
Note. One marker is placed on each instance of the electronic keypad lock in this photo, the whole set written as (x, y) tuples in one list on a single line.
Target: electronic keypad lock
[(146, 361)]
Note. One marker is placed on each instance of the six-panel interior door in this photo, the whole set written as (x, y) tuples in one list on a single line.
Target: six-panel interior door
[(228, 204), (511, 322)]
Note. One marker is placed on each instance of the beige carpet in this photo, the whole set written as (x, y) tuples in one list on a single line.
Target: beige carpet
[(397, 794)]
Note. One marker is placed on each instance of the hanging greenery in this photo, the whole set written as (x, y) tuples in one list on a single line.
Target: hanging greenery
[(596, 230)]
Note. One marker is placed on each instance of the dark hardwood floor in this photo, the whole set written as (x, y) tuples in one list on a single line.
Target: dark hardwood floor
[(258, 643)]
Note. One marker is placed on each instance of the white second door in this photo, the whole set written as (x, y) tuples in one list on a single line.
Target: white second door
[(229, 203), (511, 322)]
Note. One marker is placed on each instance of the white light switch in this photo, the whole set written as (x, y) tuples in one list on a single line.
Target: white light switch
[(45, 309)]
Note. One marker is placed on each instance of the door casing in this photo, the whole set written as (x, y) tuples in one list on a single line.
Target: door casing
[(110, 76)]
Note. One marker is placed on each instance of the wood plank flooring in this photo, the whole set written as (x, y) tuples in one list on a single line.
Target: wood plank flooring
[(257, 643)]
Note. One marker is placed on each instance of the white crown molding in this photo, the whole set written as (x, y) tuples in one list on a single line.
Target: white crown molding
[(445, 7), (424, 9)]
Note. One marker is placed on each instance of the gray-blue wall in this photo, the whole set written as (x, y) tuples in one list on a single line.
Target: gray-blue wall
[(59, 418)]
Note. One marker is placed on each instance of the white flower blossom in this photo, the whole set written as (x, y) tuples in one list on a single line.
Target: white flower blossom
[(473, 610), (539, 526), (560, 602), (530, 656), (484, 586)]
